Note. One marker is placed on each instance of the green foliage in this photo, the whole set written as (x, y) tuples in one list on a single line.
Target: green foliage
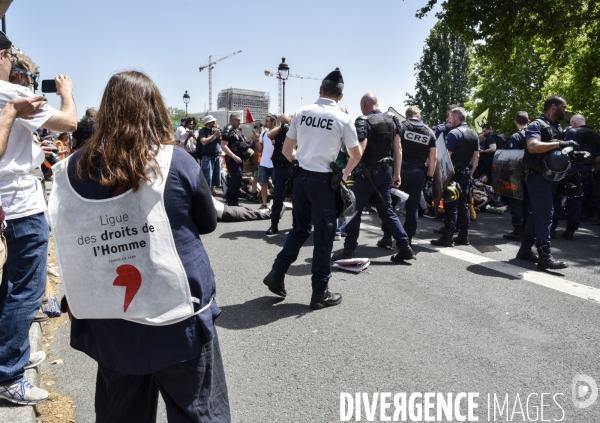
[(442, 74), (176, 115), (507, 87), (551, 47)]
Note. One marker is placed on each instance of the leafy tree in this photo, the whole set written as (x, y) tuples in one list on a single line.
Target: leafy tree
[(442, 74), (506, 87), (562, 35), (176, 115)]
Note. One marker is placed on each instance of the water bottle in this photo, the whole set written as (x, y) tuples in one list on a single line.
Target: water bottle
[(401, 194)]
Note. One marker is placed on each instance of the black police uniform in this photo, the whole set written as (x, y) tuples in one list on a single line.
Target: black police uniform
[(416, 139), (239, 146), (588, 141), (519, 209), (281, 167), (462, 141), (380, 131), (541, 192)]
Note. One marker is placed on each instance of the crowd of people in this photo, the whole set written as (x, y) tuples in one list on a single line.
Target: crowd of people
[(146, 195)]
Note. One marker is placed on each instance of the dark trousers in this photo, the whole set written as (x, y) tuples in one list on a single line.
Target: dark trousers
[(574, 205), (280, 175), (233, 189), (537, 229), (314, 204), (194, 391), (412, 184), (456, 213), (365, 192), (520, 209), (241, 214)]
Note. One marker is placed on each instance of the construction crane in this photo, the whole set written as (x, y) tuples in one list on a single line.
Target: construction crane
[(210, 68), (280, 81)]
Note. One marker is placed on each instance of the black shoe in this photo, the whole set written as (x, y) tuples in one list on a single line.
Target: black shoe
[(462, 238), (326, 299), (274, 280), (515, 235), (553, 233), (385, 242), (567, 234), (445, 240), (273, 229), (404, 253), (548, 262), (345, 254), (525, 253), (442, 229)]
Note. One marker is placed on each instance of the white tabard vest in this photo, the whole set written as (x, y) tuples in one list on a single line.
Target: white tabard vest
[(117, 259)]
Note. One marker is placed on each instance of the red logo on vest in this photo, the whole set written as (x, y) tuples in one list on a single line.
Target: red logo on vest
[(131, 279)]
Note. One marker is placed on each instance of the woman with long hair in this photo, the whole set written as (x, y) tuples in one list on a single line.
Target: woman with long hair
[(136, 275)]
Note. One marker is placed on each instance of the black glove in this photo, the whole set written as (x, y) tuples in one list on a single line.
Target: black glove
[(569, 143), (428, 182)]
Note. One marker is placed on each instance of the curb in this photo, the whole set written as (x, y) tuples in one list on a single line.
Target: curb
[(13, 413)]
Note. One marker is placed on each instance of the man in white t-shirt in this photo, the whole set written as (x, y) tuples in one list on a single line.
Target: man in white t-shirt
[(27, 232), (265, 170), (318, 130), (181, 129)]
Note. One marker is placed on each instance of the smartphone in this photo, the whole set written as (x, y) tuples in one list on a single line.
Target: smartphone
[(48, 86)]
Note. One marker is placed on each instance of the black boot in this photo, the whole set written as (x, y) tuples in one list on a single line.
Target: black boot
[(445, 240), (404, 253), (568, 234), (386, 241), (515, 235), (547, 262), (343, 255), (462, 238), (525, 253), (441, 230), (325, 299), (274, 280), (273, 229)]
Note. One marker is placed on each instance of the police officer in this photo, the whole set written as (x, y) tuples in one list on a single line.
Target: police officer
[(543, 135), (445, 127), (236, 147), (462, 143), (589, 141), (519, 209), (418, 145), (378, 136), (487, 151), (318, 130), (281, 167)]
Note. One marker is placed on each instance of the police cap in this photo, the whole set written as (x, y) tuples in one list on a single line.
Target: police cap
[(335, 76)]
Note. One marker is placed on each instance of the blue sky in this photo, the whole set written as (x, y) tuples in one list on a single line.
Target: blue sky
[(375, 44)]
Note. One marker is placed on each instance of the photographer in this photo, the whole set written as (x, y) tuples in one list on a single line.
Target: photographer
[(237, 149), (280, 170), (210, 153), (27, 232)]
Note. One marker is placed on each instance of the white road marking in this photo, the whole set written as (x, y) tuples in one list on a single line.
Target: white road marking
[(539, 278)]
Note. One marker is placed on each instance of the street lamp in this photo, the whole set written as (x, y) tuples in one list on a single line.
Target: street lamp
[(284, 72), (186, 100)]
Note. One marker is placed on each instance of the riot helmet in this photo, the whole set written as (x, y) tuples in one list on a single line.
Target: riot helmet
[(556, 165), (345, 202), (451, 193)]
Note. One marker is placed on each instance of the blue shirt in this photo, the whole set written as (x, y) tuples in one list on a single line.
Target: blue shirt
[(137, 349), (213, 147), (516, 142), (534, 129), (440, 129), (456, 138)]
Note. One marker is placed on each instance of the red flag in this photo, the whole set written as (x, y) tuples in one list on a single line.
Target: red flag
[(249, 118)]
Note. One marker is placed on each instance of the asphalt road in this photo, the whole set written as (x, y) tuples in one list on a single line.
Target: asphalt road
[(469, 319)]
